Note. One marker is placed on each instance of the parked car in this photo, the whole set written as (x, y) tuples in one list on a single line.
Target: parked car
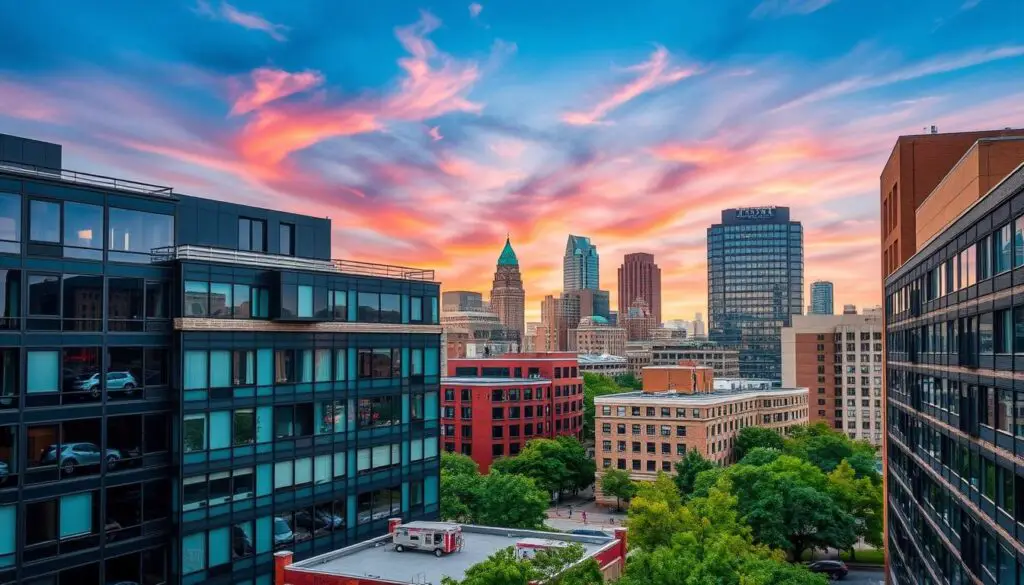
[(115, 381), (282, 532), (310, 522), (834, 569), (74, 454)]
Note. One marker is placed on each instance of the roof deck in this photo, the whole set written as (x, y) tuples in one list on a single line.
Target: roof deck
[(87, 179), (264, 260), (373, 560)]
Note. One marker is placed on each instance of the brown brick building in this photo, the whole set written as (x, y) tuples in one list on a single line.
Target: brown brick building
[(640, 278)]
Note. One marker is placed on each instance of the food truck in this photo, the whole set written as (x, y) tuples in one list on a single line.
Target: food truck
[(441, 538)]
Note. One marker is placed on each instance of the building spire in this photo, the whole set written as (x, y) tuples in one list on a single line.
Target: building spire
[(508, 255)]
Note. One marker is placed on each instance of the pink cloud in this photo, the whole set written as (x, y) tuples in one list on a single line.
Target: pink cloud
[(268, 85), (248, 20), (475, 9), (435, 133), (651, 74)]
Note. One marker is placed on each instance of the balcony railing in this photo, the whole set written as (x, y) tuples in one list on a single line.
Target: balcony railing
[(85, 179), (226, 256)]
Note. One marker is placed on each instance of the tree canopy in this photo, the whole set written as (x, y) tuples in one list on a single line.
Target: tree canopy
[(505, 568), (556, 465), (595, 385), (687, 470), (826, 448), (616, 482), (496, 499), (750, 438)]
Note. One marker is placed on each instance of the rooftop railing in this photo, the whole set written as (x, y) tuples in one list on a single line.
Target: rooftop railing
[(226, 256), (85, 179)]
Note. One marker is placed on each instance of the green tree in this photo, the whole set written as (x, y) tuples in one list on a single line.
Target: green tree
[(750, 438), (655, 513), (460, 496), (550, 566), (616, 482), (788, 505), (557, 465), (510, 501), (629, 380), (582, 469), (760, 456), (687, 470), (862, 498), (595, 385), (458, 464), (826, 448)]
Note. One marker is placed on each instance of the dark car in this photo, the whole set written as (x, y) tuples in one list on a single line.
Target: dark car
[(309, 522), (834, 569)]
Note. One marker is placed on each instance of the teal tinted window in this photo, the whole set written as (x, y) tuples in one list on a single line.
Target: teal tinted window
[(42, 371), (306, 365), (431, 361), (8, 528), (264, 367), (193, 553), (305, 301), (323, 365), (264, 479), (220, 369), (264, 528), (264, 424), (220, 429), (75, 515), (196, 370), (219, 545)]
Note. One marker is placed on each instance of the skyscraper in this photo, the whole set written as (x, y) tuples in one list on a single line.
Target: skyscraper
[(580, 265), (640, 277), (508, 299), (821, 298), (755, 285)]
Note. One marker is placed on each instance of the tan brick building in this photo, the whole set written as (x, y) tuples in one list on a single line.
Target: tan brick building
[(724, 360), (838, 358), (593, 335), (683, 408)]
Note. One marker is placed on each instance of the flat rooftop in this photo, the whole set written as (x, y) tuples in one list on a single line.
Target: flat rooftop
[(375, 560), (475, 381), (706, 398)]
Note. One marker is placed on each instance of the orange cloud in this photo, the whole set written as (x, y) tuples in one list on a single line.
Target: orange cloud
[(652, 74), (273, 84)]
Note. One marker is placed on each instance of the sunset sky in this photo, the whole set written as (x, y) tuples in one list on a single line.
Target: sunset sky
[(427, 131)]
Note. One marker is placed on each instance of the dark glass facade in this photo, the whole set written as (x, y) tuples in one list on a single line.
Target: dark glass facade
[(955, 400), (755, 285), (188, 385)]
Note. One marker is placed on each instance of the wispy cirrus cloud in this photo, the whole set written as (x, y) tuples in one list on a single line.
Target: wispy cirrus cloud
[(249, 20), (266, 85), (475, 9), (776, 8), (935, 66), (654, 73)]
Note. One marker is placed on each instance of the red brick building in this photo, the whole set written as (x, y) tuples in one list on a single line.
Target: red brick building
[(492, 406)]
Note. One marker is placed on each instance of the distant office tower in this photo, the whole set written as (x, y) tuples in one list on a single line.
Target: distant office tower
[(508, 299), (821, 298), (697, 329), (755, 285), (613, 318), (580, 265), (530, 342), (639, 322), (640, 277)]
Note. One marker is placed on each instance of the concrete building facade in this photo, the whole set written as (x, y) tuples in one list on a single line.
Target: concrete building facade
[(684, 408), (723, 360), (640, 278), (838, 358), (593, 335)]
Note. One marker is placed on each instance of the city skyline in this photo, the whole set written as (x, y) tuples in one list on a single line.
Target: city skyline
[(399, 120)]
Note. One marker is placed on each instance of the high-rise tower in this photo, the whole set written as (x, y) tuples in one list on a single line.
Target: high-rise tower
[(508, 299), (580, 265), (821, 298), (755, 285), (640, 277)]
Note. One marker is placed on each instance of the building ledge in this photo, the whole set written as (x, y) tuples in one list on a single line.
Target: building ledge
[(203, 324)]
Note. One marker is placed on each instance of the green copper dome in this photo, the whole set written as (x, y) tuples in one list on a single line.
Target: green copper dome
[(508, 255)]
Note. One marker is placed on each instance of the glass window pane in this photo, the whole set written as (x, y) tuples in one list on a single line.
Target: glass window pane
[(44, 295), (44, 221), (10, 220), (241, 307), (369, 307), (83, 225), (197, 299), (220, 369), (283, 474), (157, 294), (323, 365), (321, 473), (220, 429), (416, 308), (75, 515), (305, 301), (138, 232), (287, 242), (219, 547), (193, 553), (196, 370), (220, 299), (303, 470), (244, 234), (194, 433), (390, 308), (42, 371)]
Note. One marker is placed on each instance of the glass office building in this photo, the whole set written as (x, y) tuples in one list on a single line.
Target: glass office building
[(189, 385), (955, 399), (821, 298), (580, 266), (755, 285)]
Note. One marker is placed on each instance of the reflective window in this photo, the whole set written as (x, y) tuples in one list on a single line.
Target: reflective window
[(390, 308), (157, 294), (42, 368), (287, 237), (125, 303), (194, 433), (44, 221), (83, 228), (44, 295), (83, 303), (10, 223), (220, 299), (252, 235), (197, 299), (10, 299), (134, 235)]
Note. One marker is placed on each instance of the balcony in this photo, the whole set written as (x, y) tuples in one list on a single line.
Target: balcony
[(85, 179), (274, 261)]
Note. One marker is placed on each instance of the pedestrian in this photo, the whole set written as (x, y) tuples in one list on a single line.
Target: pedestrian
[(584, 514), (570, 510)]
